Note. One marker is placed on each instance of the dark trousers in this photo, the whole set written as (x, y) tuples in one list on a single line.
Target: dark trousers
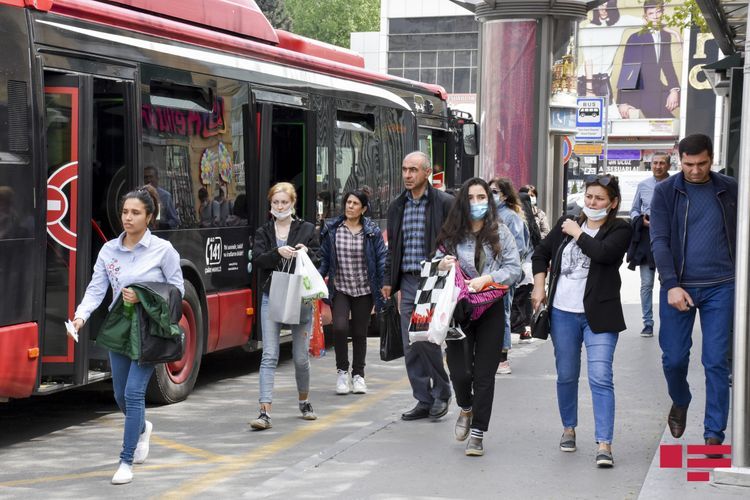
[(359, 307), (424, 360), (520, 311), (473, 362)]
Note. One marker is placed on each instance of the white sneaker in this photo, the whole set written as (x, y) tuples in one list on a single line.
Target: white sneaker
[(343, 386), (141, 449), (504, 368), (123, 475), (360, 387)]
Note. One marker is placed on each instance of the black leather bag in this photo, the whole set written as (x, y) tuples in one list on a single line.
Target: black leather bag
[(389, 323), (540, 324)]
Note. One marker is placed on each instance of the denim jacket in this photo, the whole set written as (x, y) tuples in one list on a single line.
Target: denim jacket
[(669, 212), (505, 269), (375, 255)]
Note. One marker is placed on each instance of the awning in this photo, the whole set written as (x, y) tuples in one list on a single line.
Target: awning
[(727, 20)]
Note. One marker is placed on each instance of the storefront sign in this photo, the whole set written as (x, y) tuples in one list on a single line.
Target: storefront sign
[(588, 149), (623, 154)]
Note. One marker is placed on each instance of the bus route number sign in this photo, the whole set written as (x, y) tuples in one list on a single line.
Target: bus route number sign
[(213, 251)]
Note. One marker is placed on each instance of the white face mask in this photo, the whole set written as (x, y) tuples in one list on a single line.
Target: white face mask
[(533, 200), (594, 214), (282, 215)]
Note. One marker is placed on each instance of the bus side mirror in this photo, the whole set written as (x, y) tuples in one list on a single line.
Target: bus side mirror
[(469, 139)]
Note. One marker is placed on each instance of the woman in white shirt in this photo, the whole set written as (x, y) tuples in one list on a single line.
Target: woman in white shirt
[(135, 256)]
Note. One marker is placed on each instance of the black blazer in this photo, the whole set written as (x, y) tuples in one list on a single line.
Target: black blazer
[(438, 206), (266, 256), (601, 300)]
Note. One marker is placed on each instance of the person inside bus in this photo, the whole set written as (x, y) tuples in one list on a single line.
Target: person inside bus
[(352, 255), (135, 256), (276, 241), (225, 205), (239, 212), (168, 218), (208, 209)]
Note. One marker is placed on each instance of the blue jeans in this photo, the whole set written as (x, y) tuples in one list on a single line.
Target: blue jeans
[(129, 381), (647, 289), (270, 359), (507, 305), (716, 305), (569, 331)]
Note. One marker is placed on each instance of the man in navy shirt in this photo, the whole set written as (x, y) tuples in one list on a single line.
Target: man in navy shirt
[(693, 233)]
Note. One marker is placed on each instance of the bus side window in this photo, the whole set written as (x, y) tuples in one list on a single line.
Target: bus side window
[(357, 150), (193, 151)]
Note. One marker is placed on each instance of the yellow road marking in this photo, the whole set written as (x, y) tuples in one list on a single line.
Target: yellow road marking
[(187, 449), (235, 465), (167, 443), (232, 464)]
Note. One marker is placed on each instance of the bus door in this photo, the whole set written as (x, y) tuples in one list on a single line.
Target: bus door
[(88, 122), (434, 143), (286, 134)]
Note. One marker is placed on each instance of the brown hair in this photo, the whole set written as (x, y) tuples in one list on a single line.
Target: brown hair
[(147, 195)]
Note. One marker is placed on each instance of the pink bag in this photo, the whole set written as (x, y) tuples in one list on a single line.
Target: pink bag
[(483, 299)]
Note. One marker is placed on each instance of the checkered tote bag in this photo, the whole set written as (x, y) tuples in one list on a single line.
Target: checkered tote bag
[(434, 303)]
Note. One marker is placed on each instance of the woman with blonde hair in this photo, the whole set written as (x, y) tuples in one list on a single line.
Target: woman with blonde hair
[(277, 241)]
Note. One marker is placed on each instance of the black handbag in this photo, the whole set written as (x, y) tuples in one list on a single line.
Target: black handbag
[(389, 323), (540, 324)]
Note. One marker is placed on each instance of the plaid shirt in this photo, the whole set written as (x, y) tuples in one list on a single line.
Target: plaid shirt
[(413, 230), (351, 277)]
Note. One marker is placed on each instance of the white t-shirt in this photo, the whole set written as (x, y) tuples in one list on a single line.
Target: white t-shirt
[(574, 270)]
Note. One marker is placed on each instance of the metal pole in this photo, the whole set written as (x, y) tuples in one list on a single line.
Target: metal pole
[(739, 474), (740, 401)]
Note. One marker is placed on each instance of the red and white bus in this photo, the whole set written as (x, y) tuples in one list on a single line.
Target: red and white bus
[(205, 97)]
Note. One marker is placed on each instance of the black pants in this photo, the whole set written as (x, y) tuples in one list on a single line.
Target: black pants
[(473, 362), (360, 308), (520, 311)]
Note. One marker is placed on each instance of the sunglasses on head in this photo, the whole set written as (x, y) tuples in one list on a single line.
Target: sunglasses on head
[(602, 180)]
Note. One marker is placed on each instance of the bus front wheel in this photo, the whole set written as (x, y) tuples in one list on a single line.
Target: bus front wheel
[(173, 382)]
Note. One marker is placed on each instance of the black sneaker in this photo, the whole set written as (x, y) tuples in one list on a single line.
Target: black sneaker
[(307, 411), (604, 459), (568, 441), (648, 331), (262, 422)]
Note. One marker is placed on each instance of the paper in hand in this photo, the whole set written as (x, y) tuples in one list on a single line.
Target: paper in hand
[(71, 330)]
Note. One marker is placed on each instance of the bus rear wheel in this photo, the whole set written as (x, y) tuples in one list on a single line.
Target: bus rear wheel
[(173, 382)]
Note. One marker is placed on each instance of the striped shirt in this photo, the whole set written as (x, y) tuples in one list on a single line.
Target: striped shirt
[(351, 277), (413, 229)]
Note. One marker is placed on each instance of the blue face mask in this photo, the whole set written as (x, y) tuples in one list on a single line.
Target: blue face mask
[(500, 203), (478, 210)]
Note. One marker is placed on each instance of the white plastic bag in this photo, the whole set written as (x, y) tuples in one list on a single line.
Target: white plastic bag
[(442, 315), (313, 285), (434, 304)]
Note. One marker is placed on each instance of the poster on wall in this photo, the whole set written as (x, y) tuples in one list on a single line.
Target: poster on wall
[(636, 67)]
